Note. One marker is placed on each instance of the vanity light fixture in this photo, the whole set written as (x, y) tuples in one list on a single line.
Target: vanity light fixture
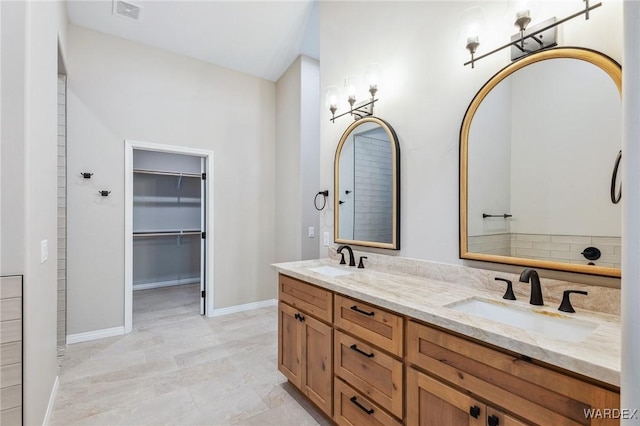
[(372, 78), (522, 20)]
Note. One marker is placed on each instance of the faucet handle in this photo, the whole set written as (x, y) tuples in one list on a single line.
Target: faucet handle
[(565, 306), (509, 293), (360, 264), (342, 261)]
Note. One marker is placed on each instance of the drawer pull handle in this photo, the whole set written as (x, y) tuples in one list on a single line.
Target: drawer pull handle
[(369, 314), (360, 406), (355, 348), (299, 317), (493, 420), (474, 411)]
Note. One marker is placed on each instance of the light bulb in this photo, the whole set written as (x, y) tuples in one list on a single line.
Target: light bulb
[(351, 88), (331, 98), (472, 25), (372, 77)]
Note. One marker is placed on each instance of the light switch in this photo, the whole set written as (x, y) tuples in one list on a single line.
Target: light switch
[(326, 239), (312, 232), (44, 251)]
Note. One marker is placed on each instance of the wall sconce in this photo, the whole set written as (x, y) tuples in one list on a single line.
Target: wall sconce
[(540, 35), (372, 77)]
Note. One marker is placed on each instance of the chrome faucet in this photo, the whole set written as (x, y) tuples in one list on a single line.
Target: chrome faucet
[(352, 259), (536, 291)]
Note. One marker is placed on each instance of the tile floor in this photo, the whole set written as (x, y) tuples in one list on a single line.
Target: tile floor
[(179, 368)]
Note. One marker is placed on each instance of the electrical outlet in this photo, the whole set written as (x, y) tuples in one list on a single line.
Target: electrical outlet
[(44, 251), (312, 232), (326, 239)]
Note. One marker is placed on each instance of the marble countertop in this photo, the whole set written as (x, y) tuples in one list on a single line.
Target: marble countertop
[(596, 356)]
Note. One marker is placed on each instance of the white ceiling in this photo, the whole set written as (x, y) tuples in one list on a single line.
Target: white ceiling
[(260, 38)]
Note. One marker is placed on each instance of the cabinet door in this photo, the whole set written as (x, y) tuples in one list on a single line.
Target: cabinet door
[(317, 368), (432, 403), (289, 344)]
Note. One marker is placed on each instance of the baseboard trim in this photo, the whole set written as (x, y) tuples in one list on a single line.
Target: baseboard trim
[(160, 284), (94, 335), (52, 401), (246, 307)]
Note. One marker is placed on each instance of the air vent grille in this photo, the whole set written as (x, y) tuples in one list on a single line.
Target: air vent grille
[(126, 10)]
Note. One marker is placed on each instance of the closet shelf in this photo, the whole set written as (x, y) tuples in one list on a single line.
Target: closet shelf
[(158, 172), (165, 233), (153, 199)]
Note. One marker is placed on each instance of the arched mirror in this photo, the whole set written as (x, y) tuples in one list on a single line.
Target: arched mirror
[(367, 185), (537, 147)]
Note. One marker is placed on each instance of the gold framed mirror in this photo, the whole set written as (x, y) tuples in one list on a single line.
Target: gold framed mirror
[(537, 146), (367, 185)]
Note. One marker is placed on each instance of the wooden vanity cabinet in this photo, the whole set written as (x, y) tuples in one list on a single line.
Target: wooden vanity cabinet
[(430, 402), (304, 342), (365, 366), (462, 371), (368, 349)]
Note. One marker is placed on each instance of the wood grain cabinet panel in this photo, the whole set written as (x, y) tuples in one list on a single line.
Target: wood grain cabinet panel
[(289, 344), (377, 326), (351, 408), (374, 373), (535, 392), (306, 297), (430, 402), (305, 343)]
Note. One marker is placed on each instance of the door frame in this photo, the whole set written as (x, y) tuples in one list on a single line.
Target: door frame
[(130, 145)]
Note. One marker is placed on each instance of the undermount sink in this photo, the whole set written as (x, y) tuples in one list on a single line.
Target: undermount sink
[(548, 324), (330, 271)]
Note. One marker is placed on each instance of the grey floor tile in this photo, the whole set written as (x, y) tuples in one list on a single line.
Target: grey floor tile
[(179, 368)]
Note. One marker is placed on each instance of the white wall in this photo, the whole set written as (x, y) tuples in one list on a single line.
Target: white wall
[(29, 85), (122, 90), (288, 165), (297, 152), (425, 93), (310, 154)]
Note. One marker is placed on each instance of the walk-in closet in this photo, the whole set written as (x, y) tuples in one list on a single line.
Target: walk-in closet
[(169, 230)]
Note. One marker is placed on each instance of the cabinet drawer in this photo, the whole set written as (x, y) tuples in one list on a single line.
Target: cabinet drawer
[(535, 392), (373, 324), (306, 297), (354, 409), (374, 373)]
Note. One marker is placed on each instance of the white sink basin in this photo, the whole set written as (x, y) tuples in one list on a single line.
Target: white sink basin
[(548, 324), (330, 271)]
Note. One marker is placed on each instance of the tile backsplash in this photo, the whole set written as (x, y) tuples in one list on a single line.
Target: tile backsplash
[(600, 299), (559, 248)]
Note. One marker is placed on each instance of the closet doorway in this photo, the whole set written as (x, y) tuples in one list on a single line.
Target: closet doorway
[(168, 222)]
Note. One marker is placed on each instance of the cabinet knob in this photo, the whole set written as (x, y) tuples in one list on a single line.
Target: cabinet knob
[(474, 411), (493, 420)]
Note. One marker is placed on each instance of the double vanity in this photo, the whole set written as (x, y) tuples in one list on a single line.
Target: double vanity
[(412, 342), (397, 341)]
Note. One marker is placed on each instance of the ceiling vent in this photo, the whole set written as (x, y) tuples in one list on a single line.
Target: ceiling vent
[(126, 10)]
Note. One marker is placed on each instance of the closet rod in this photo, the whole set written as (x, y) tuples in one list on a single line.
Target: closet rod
[(165, 234), (157, 172)]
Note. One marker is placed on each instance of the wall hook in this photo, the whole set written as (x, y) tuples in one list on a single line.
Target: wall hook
[(104, 193), (86, 175)]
